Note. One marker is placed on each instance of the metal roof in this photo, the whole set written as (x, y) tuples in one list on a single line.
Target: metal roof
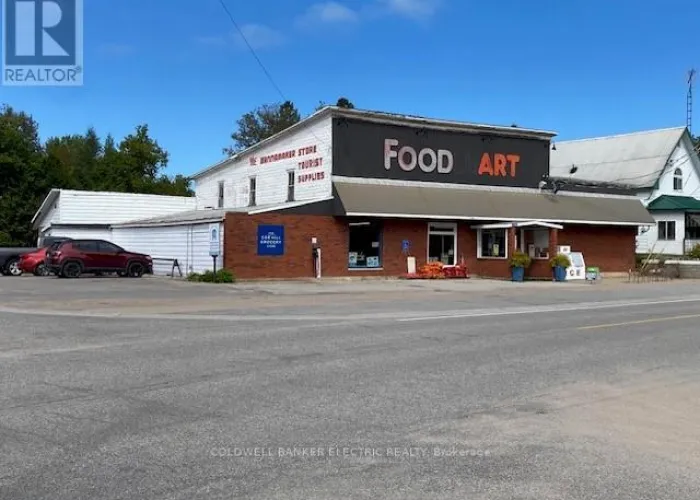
[(671, 203), (367, 200), (191, 217), (387, 118), (637, 159)]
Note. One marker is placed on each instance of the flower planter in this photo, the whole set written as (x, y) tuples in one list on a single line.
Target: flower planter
[(517, 273), (559, 273)]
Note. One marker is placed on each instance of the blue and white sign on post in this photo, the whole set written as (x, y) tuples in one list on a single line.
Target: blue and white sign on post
[(405, 246), (270, 240), (214, 240), (42, 42)]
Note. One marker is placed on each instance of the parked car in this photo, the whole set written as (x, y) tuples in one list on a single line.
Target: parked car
[(34, 262), (72, 258), (10, 256)]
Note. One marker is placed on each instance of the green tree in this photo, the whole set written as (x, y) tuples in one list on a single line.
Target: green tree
[(342, 102), (261, 123)]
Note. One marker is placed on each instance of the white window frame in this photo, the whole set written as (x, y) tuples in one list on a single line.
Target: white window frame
[(479, 237), (252, 191), (291, 185), (678, 176), (666, 223), (221, 194), (442, 229)]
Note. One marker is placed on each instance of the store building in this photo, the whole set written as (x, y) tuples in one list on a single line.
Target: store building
[(371, 189), (661, 167)]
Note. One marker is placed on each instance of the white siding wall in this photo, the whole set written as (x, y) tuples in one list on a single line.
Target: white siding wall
[(687, 162), (648, 241), (189, 244), (271, 177), (51, 217), (684, 159), (77, 232), (78, 207)]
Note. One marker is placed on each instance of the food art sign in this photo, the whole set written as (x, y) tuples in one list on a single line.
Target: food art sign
[(442, 161), (374, 150)]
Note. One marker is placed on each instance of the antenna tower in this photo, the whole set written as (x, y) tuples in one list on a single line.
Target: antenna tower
[(689, 101)]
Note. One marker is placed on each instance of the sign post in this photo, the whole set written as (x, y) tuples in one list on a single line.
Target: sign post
[(214, 244)]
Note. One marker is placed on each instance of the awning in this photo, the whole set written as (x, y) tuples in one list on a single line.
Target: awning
[(420, 202)]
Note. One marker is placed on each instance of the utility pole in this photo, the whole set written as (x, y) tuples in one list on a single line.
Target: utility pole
[(689, 101)]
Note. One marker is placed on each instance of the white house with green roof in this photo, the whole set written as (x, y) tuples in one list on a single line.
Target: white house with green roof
[(661, 166)]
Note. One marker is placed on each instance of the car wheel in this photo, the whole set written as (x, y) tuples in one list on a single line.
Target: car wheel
[(13, 268), (135, 270), (41, 270), (71, 270)]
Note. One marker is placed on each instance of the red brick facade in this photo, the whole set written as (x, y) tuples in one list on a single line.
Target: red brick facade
[(608, 247)]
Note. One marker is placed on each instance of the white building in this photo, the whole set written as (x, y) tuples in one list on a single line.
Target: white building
[(660, 165)]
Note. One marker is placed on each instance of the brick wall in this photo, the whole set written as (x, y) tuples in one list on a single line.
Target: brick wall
[(610, 248)]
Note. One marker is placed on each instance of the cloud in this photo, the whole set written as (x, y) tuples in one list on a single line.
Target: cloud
[(115, 49), (418, 9), (328, 13), (258, 37)]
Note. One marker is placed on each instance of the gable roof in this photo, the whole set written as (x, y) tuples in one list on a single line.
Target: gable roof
[(637, 159), (671, 203)]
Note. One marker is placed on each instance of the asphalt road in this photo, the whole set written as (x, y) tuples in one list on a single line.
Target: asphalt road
[(374, 391)]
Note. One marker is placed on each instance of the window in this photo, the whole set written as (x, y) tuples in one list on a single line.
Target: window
[(537, 243), (253, 189), (290, 185), (106, 246), (365, 245), (678, 180), (442, 243), (86, 246), (667, 230), (492, 243), (221, 194)]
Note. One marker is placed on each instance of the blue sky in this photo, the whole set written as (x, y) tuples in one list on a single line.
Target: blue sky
[(581, 68)]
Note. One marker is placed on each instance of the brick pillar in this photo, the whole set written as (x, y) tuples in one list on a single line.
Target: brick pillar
[(511, 241), (553, 241)]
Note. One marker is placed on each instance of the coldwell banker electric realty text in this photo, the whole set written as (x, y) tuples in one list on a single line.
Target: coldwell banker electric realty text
[(42, 42)]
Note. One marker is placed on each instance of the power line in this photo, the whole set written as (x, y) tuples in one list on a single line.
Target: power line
[(252, 51)]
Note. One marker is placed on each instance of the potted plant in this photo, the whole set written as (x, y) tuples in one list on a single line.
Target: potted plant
[(560, 263), (518, 263)]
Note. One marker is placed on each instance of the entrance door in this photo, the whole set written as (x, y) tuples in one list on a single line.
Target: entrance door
[(442, 243)]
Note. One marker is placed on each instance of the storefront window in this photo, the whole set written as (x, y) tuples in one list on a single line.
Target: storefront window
[(492, 244), (365, 248), (442, 243)]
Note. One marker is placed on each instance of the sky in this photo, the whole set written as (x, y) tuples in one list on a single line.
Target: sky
[(579, 68)]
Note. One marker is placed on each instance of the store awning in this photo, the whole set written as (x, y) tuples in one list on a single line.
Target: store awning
[(457, 203)]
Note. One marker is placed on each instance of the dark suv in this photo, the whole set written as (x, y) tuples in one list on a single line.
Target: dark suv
[(72, 258)]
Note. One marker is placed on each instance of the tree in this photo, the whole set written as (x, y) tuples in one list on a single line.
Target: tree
[(261, 123), (28, 169), (342, 102)]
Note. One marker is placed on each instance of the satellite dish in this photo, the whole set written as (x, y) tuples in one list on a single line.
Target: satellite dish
[(573, 170)]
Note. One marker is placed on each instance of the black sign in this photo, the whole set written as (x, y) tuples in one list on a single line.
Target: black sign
[(374, 150)]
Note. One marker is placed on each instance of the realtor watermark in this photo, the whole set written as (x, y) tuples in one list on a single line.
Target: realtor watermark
[(347, 452), (42, 42)]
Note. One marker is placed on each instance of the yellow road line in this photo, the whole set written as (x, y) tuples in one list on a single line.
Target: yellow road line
[(640, 322)]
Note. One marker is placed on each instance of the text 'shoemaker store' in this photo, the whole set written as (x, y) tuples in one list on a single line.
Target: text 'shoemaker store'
[(370, 189)]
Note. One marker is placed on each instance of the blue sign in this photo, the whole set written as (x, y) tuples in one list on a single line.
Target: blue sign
[(270, 240), (43, 42), (405, 245)]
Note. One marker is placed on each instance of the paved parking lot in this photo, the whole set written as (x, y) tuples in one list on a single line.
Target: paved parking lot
[(153, 388)]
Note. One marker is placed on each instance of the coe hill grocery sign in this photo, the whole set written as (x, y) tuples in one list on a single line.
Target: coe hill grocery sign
[(363, 149)]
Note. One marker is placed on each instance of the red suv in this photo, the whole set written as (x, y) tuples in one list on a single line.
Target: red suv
[(72, 258)]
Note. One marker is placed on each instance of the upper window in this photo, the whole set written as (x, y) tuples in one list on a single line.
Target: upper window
[(221, 194), (290, 185), (667, 230), (678, 180), (252, 200), (442, 243), (492, 243), (365, 245)]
